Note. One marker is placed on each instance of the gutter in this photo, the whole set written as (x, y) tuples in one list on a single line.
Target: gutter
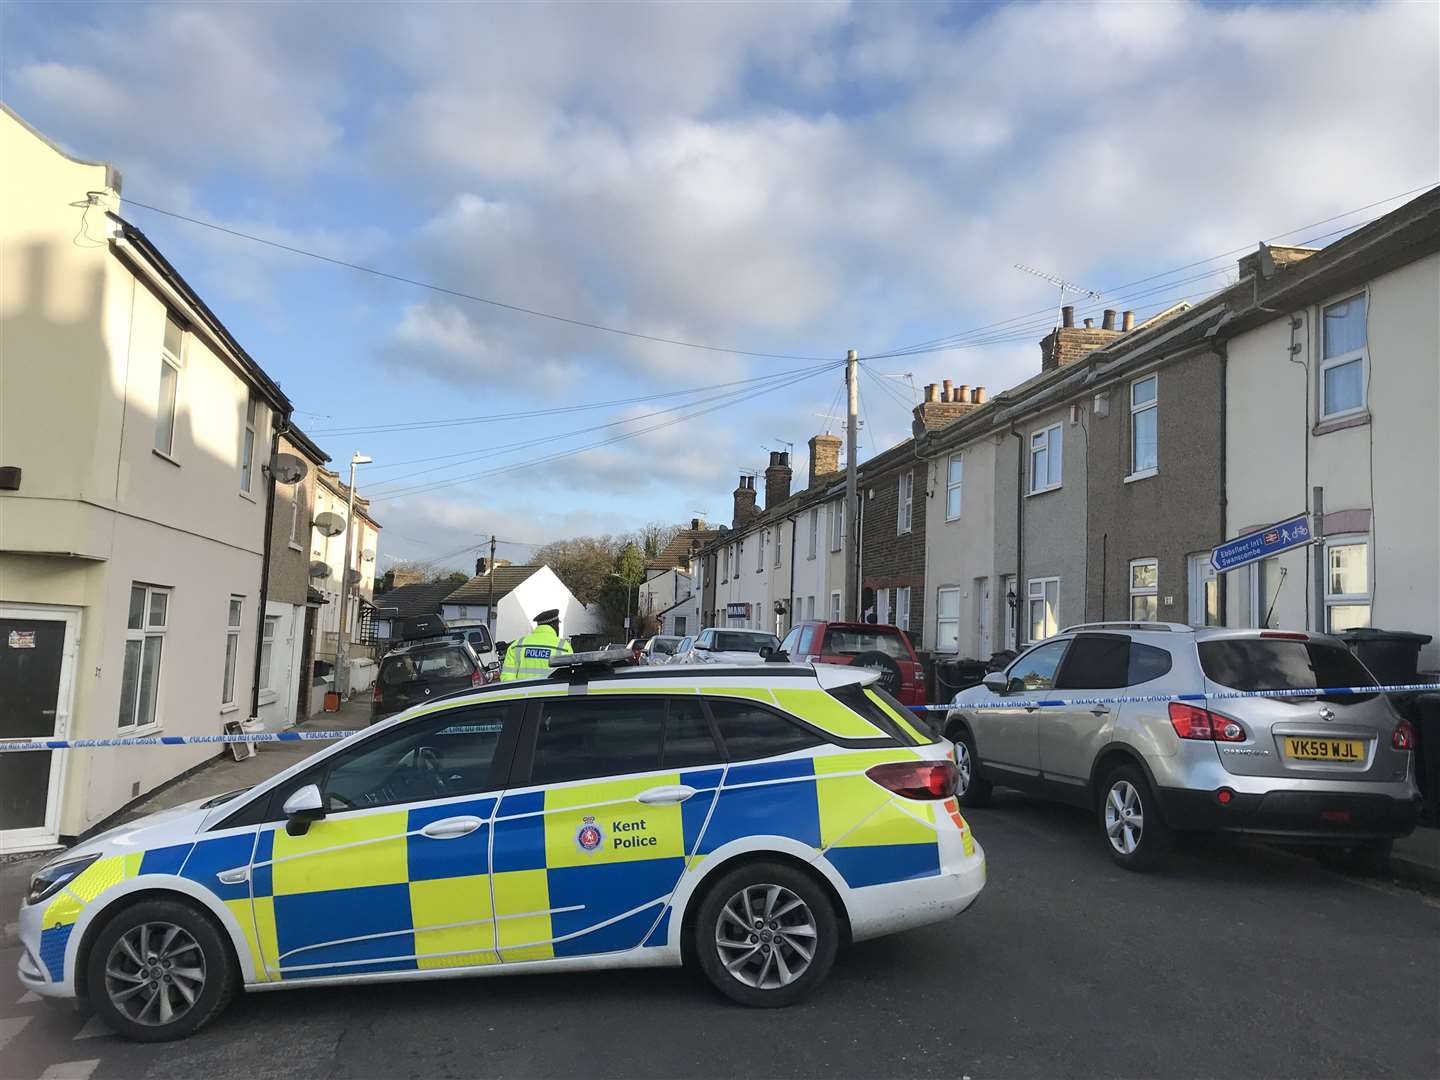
[(280, 428), (1019, 528), (790, 600)]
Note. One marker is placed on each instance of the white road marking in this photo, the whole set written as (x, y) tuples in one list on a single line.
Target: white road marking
[(28, 998), (10, 1028), (93, 1027), (70, 1070)]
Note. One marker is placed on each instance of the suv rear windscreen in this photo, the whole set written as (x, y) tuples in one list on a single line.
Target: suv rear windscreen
[(448, 663), (853, 640), (1283, 664), (735, 641)]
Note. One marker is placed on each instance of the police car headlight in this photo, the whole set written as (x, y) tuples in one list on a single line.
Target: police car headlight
[(51, 879)]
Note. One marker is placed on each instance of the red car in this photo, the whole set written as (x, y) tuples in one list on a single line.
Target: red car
[(885, 648)]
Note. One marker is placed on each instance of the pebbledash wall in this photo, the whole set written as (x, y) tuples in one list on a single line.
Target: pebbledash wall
[(83, 312)]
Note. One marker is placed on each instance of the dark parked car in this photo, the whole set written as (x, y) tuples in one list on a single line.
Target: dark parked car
[(887, 649), (422, 671)]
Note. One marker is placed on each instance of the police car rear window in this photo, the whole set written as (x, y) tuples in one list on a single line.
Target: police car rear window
[(858, 699), (752, 731)]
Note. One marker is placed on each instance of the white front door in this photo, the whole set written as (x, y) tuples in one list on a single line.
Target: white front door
[(37, 669)]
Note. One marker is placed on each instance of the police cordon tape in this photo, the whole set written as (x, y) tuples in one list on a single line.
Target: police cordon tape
[(1150, 699), (18, 746)]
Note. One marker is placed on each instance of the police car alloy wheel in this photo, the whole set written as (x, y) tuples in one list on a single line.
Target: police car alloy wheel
[(159, 971), (766, 935)]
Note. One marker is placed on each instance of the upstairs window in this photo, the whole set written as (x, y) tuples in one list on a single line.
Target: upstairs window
[(905, 515), (954, 483), (1144, 432), (1045, 459), (760, 550), (170, 352), (778, 546), (814, 530), (1343, 358), (837, 525), (247, 444)]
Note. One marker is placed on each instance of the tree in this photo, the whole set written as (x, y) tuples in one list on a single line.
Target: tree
[(618, 591), (582, 563)]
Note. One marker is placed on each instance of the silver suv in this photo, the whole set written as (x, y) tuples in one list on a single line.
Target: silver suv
[(1333, 769)]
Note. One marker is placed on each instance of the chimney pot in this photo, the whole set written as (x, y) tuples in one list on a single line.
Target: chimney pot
[(695, 524), (977, 396), (1109, 322), (930, 392), (1127, 321), (1089, 324), (1067, 315), (962, 393), (946, 394)]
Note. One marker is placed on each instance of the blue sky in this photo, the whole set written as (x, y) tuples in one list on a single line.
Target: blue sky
[(794, 179)]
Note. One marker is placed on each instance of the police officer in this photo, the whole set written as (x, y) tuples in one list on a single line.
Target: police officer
[(529, 657)]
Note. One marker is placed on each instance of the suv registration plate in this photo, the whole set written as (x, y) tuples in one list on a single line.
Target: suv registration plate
[(1342, 750)]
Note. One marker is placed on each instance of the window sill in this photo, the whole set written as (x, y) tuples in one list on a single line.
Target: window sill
[(131, 732), (1340, 423), (232, 707), (1143, 474), (295, 547), (1043, 491), (247, 496), (952, 520), (164, 456)]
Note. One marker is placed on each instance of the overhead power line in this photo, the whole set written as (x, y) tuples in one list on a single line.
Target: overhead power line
[(460, 294)]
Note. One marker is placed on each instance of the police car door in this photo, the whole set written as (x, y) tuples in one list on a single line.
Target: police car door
[(395, 876), (588, 853)]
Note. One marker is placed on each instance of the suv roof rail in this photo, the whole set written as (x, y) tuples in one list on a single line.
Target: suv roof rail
[(1129, 624)]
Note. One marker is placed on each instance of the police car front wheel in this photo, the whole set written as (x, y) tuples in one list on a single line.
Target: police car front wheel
[(766, 935), (159, 970)]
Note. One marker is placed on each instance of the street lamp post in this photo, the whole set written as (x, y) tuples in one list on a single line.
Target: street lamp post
[(342, 644)]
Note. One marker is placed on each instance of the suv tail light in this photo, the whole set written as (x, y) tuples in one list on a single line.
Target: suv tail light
[(917, 779), (477, 678), (1403, 737), (1192, 722), (375, 695)]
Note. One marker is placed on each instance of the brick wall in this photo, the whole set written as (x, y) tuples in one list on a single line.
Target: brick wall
[(888, 560), (1065, 345)]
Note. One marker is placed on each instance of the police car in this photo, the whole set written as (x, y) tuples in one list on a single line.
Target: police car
[(743, 821)]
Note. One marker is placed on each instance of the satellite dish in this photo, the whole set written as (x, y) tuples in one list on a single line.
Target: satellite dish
[(288, 469), (369, 555), (319, 568), (328, 524), (353, 577)]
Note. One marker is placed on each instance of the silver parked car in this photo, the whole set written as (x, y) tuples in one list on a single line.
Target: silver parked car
[(717, 645), (1333, 769)]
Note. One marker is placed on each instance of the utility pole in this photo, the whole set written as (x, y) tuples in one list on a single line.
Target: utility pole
[(852, 494), (342, 649), (490, 620)]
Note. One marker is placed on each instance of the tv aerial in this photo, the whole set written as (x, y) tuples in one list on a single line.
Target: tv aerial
[(1063, 285)]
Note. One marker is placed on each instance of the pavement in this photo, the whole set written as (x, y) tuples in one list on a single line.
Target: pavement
[(221, 773), (1239, 959)]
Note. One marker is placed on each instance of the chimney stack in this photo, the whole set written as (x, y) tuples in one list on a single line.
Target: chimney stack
[(825, 454), (480, 567), (744, 502), (1068, 342), (1067, 315), (1127, 321), (696, 524), (777, 478), (1109, 321)]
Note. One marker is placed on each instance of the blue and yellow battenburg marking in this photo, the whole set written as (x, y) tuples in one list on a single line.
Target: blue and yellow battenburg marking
[(577, 870)]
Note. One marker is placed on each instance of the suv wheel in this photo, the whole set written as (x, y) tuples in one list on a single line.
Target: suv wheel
[(159, 971), (971, 789), (1130, 819), (766, 935)]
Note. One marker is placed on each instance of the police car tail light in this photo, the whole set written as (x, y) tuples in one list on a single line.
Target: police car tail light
[(917, 779), (1403, 737), (1192, 722)]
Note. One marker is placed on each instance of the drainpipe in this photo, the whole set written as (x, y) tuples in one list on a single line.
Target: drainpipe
[(1222, 347), (790, 601), (1019, 529), (280, 429)]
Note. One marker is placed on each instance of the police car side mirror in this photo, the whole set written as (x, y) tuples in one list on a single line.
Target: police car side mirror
[(302, 807), (766, 651), (996, 682)]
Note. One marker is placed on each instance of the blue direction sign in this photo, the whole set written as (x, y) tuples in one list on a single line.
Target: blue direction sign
[(1252, 547)]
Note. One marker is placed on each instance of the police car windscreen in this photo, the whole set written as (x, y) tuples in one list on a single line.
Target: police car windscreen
[(735, 641)]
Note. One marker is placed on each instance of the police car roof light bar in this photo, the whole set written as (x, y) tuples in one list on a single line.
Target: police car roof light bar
[(578, 666)]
